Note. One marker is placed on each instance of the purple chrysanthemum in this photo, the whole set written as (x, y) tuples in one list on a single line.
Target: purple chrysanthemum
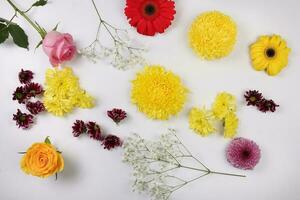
[(117, 115), (25, 76), (23, 120), (79, 128), (243, 153), (267, 105), (94, 131), (35, 107), (253, 97), (33, 89), (111, 142), (20, 95)]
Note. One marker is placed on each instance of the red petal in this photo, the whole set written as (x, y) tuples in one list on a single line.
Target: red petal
[(142, 26)]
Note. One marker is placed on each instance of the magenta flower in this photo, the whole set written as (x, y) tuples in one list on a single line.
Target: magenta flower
[(23, 120), (35, 107), (253, 97), (33, 89), (94, 131), (79, 128), (243, 153), (267, 106), (25, 76), (111, 142), (20, 95), (117, 115)]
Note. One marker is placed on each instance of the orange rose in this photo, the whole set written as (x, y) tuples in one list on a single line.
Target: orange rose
[(42, 160)]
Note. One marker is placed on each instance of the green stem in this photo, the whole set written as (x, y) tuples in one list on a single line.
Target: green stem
[(17, 10), (211, 172), (227, 174)]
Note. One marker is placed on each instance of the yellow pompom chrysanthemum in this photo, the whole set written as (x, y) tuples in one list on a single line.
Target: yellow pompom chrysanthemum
[(212, 35), (202, 121), (223, 104), (158, 93), (230, 125), (63, 92), (269, 53)]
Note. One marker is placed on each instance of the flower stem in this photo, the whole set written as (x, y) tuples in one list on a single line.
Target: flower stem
[(212, 172), (34, 25), (227, 174)]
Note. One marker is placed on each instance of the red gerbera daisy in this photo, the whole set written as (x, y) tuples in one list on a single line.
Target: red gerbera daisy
[(150, 16)]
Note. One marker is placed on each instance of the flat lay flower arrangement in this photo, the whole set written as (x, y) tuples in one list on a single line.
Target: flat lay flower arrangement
[(155, 93)]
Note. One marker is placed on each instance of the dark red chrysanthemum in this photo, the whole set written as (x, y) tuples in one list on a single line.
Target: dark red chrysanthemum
[(111, 141), (20, 95), (22, 119), (79, 128), (94, 131), (33, 89), (117, 115), (243, 153), (35, 107), (25, 76), (267, 105), (253, 97), (150, 16)]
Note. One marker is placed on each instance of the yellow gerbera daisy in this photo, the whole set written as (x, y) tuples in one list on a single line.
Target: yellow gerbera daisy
[(269, 53), (223, 104), (212, 35), (201, 121), (158, 93), (63, 92), (230, 125)]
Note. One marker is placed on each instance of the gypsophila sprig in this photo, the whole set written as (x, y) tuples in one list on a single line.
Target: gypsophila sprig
[(155, 164), (121, 53)]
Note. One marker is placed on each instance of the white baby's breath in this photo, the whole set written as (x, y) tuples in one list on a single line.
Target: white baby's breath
[(154, 164), (120, 52)]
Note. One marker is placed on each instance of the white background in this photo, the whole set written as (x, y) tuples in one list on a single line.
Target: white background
[(94, 173)]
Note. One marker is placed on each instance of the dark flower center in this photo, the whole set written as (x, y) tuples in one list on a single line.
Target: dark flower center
[(246, 154), (270, 52), (252, 98), (19, 95), (22, 118), (150, 9)]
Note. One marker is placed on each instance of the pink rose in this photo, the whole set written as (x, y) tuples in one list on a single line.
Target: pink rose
[(59, 47)]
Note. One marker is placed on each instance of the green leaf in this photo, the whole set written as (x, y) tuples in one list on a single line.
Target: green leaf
[(39, 44), (19, 36), (55, 28), (3, 33), (40, 3), (47, 140)]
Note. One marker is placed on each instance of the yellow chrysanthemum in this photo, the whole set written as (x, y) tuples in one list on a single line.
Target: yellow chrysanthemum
[(212, 35), (63, 92), (230, 125), (158, 93), (269, 53), (223, 104), (202, 121)]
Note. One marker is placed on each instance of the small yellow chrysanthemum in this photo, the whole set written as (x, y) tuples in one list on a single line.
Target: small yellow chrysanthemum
[(269, 53), (223, 104), (202, 121), (230, 125), (158, 93), (63, 92), (212, 35)]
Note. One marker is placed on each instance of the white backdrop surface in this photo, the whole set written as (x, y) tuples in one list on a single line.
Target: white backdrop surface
[(93, 173)]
